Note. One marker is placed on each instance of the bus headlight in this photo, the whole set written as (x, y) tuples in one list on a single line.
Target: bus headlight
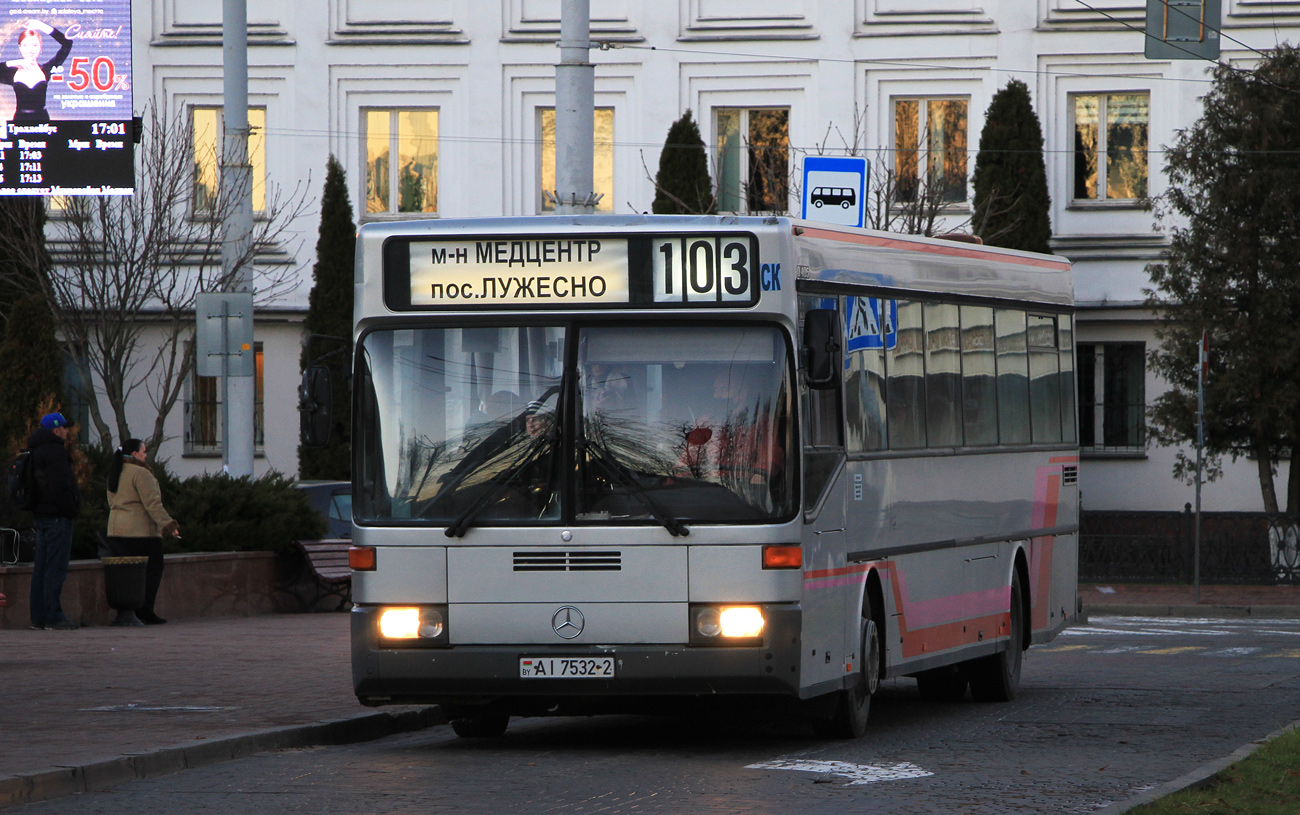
[(726, 625), (414, 625)]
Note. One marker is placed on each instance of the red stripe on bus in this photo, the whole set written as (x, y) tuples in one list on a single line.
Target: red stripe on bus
[(953, 251)]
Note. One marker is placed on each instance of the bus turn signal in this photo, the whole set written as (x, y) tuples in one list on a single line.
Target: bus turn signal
[(782, 557), (361, 558)]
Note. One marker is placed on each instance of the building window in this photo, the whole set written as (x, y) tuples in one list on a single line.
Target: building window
[(208, 127), (76, 390), (1112, 398), (930, 149), (203, 411), (409, 182), (753, 159), (602, 169), (1110, 146)]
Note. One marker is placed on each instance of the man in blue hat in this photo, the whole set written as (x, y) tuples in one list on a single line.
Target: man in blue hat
[(58, 497)]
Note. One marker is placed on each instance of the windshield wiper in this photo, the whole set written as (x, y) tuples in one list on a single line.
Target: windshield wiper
[(536, 449), (601, 455), (486, 450)]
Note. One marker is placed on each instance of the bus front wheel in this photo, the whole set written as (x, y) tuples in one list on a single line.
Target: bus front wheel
[(849, 719)]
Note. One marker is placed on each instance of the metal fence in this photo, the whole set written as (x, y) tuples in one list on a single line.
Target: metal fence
[(1157, 547)]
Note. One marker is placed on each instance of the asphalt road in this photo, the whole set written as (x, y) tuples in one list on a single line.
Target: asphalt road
[(1107, 711)]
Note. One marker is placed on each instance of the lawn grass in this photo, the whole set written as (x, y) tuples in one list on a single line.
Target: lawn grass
[(1267, 782)]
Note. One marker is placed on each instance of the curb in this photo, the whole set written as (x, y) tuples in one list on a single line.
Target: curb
[(1197, 778), (19, 790), (1261, 612)]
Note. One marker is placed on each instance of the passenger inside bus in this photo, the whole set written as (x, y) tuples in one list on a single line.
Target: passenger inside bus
[(734, 443)]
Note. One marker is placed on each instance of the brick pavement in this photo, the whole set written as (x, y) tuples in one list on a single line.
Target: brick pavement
[(1181, 600), (85, 698)]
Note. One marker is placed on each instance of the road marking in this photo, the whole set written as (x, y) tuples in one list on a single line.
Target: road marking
[(1060, 648), (1289, 653), (1179, 649), (1233, 652), (860, 773)]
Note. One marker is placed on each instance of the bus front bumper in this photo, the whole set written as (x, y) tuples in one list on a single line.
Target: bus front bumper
[(479, 674)]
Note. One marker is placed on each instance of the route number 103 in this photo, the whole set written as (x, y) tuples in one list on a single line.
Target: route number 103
[(703, 269)]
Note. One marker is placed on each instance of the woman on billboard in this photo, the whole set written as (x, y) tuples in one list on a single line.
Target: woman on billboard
[(29, 78)]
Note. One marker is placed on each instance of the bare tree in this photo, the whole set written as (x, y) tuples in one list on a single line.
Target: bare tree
[(125, 271)]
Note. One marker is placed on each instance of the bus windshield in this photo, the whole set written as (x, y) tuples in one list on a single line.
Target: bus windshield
[(597, 424)]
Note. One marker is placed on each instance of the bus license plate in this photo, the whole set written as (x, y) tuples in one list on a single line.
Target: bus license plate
[(566, 667)]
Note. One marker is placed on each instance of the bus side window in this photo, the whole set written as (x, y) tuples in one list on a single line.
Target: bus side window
[(1044, 379), (1067, 376), (906, 389), (1013, 377), (979, 384)]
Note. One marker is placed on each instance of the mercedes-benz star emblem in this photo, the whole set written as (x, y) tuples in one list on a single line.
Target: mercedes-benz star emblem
[(567, 622)]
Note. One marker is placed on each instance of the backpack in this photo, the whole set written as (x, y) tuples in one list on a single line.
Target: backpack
[(22, 481)]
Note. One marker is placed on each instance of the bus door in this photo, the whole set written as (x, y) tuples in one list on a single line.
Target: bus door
[(827, 642)]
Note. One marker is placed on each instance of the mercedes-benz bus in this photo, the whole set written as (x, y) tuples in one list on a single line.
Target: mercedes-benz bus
[(626, 462)]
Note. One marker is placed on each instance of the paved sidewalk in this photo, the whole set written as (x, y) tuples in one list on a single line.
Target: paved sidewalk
[(1125, 599), (97, 706)]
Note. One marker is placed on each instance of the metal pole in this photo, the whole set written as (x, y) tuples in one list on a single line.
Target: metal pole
[(225, 386), (1203, 361), (237, 196), (575, 103)]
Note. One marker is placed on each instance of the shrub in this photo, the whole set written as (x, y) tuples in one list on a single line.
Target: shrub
[(216, 513)]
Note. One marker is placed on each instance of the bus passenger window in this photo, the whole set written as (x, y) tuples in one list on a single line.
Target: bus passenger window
[(906, 390), (1067, 376), (942, 375), (979, 388), (1044, 379), (1013, 377), (865, 400)]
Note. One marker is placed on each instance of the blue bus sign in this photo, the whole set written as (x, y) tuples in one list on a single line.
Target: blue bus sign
[(835, 189)]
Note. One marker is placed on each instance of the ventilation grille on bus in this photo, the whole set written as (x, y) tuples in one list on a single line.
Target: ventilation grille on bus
[(1069, 475), (586, 561)]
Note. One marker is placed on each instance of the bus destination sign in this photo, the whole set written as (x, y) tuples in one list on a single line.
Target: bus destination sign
[(561, 271), (66, 108)]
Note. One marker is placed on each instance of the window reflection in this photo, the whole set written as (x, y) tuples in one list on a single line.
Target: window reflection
[(1110, 162), (602, 162), (408, 182), (753, 159), (935, 129), (207, 129)]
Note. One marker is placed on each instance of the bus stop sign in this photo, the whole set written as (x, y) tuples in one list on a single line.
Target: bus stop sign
[(835, 189)]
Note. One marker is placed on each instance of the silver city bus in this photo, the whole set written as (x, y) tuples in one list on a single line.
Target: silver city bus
[(611, 462)]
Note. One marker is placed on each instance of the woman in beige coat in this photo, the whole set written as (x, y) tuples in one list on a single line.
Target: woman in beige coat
[(137, 520)]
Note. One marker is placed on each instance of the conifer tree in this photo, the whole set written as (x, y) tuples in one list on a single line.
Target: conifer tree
[(31, 369), (682, 185), (1011, 199), (1232, 270), (22, 220), (329, 313)]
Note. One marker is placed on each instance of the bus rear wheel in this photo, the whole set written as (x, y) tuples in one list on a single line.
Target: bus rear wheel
[(488, 724), (849, 719), (995, 678)]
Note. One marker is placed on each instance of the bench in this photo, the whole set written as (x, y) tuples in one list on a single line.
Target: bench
[(326, 563)]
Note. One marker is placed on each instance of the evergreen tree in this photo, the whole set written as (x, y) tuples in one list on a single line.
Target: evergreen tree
[(329, 312), (22, 222), (31, 369), (682, 185), (1011, 199), (1232, 270)]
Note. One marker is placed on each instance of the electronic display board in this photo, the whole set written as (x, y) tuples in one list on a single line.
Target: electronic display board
[(65, 97)]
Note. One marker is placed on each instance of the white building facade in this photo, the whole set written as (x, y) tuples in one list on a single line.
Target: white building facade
[(445, 108)]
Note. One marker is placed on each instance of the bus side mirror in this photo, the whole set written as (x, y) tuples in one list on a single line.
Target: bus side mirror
[(315, 405), (821, 348)]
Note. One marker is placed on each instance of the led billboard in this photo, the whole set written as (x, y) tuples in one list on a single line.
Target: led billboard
[(65, 97)]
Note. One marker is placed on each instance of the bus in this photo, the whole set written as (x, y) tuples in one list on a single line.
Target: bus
[(633, 463)]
